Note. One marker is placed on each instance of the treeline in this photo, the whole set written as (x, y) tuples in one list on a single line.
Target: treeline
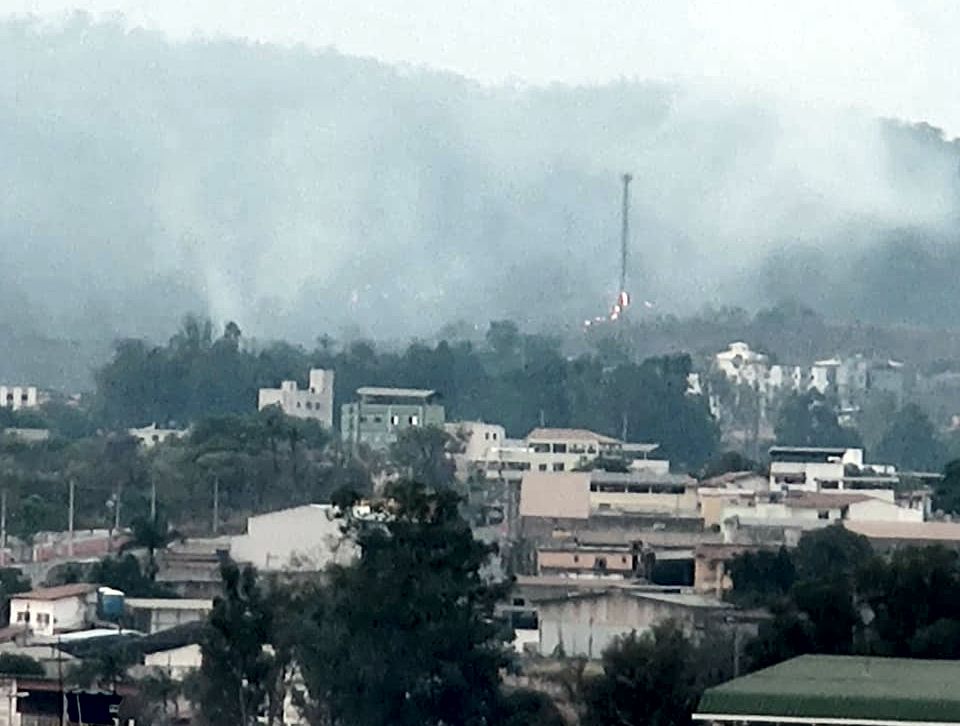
[(517, 379), (254, 462), (834, 594)]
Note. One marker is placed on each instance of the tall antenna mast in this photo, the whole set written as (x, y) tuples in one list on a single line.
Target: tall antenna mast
[(625, 231)]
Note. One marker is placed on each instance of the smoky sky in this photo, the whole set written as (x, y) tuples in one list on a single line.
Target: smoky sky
[(300, 191)]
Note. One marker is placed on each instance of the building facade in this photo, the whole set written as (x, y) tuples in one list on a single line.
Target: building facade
[(315, 403), (18, 397), (380, 414), (52, 610)]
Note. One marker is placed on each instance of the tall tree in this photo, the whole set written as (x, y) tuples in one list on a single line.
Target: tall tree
[(234, 675), (423, 454), (809, 419), (648, 680), (405, 635), (911, 441)]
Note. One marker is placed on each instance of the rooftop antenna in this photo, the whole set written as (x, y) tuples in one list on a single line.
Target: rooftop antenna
[(625, 232)]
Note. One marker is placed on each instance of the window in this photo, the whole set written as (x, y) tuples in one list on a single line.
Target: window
[(541, 448), (486, 436), (394, 420), (494, 435), (414, 420), (559, 448), (20, 616), (309, 405), (823, 514), (558, 466), (378, 419), (542, 467), (155, 438), (519, 602), (23, 398), (299, 405), (623, 559), (576, 558), (600, 563)]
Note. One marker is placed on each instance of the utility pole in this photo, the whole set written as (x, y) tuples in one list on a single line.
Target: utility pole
[(216, 503), (153, 499), (3, 523), (70, 510)]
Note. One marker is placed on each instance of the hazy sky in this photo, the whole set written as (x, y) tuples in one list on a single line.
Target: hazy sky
[(891, 57)]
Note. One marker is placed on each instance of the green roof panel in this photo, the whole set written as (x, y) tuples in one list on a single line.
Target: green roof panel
[(848, 687)]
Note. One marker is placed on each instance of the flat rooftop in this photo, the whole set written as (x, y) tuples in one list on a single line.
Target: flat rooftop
[(387, 392), (840, 689)]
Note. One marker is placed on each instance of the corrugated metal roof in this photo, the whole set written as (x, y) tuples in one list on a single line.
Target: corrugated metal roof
[(844, 687)]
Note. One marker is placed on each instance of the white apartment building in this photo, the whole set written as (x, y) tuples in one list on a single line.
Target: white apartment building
[(17, 397), (812, 468), (314, 403), (557, 450)]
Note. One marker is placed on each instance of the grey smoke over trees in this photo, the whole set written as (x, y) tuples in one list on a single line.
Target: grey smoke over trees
[(301, 192)]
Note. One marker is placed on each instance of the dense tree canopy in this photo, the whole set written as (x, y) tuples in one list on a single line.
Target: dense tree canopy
[(809, 419), (910, 441), (517, 379)]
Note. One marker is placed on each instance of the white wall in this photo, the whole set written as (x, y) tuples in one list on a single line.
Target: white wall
[(50, 616), (877, 510), (177, 662), (303, 538), (314, 403)]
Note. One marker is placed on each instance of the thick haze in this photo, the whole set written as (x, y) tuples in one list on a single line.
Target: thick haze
[(301, 191)]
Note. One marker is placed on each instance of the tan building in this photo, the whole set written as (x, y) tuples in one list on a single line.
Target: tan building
[(711, 567), (589, 561)]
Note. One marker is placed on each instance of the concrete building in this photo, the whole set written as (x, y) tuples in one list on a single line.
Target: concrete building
[(177, 662), (585, 623), (52, 610), (153, 614), (305, 538), (589, 561), (478, 438), (811, 468), (886, 536), (743, 366), (379, 414), (315, 403), (19, 397), (150, 436), (558, 450), (832, 689), (643, 491)]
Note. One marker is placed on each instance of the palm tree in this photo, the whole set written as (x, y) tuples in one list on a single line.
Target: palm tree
[(151, 534)]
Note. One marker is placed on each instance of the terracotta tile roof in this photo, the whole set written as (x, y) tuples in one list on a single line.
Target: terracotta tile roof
[(57, 593)]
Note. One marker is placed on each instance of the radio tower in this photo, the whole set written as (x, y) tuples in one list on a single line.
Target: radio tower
[(625, 233)]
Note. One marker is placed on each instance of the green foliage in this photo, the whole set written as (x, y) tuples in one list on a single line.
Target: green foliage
[(761, 577), (651, 679), (946, 493), (846, 599), (529, 708), (125, 573), (15, 664), (910, 442), (234, 676), (406, 634), (517, 380), (728, 461), (809, 419), (421, 455)]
